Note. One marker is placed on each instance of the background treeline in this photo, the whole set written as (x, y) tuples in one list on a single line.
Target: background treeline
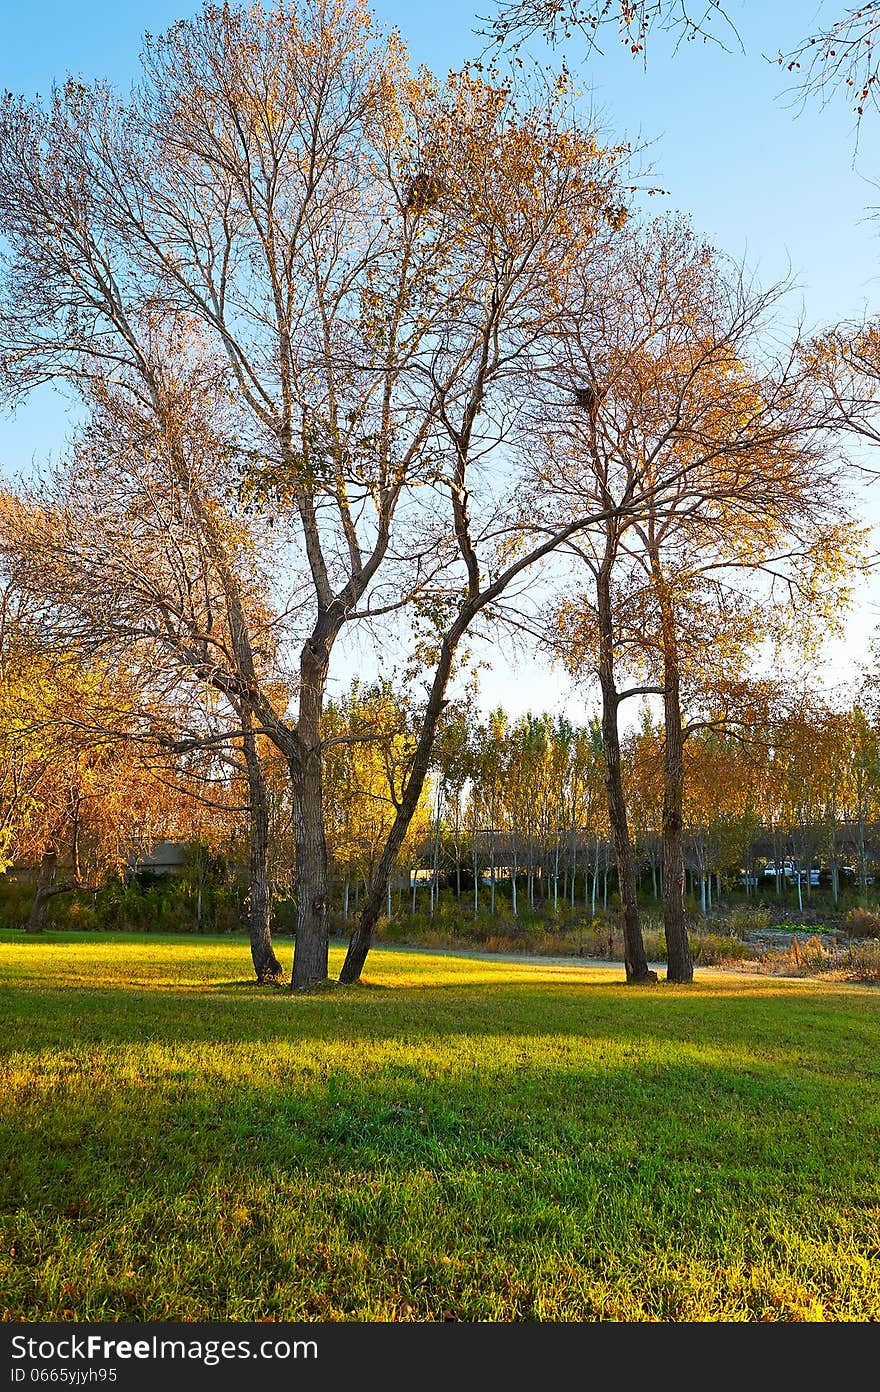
[(510, 842)]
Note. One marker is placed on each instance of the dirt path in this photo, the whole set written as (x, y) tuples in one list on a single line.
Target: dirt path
[(579, 963), (533, 959)]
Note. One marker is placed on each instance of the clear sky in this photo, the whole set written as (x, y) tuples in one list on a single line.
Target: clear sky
[(785, 189)]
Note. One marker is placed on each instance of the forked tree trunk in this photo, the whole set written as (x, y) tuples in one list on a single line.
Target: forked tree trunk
[(43, 892), (46, 889), (266, 964)]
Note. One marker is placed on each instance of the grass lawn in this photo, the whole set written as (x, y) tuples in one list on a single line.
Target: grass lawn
[(454, 1138)]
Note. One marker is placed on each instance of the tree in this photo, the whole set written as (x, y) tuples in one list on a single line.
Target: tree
[(557, 20), (720, 813), (453, 768), (73, 794), (586, 632), (838, 57), (366, 263), (135, 554), (368, 744), (729, 449)]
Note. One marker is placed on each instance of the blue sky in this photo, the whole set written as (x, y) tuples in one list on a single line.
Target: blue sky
[(785, 189)]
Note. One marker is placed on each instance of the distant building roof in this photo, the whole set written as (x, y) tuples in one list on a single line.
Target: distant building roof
[(163, 858)]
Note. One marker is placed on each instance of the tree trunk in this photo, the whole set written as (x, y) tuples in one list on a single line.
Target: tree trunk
[(492, 812), (679, 964), (435, 871), (595, 891), (457, 866), (43, 891), (361, 938), (635, 961), (832, 844), (863, 872), (311, 951), (266, 964), (476, 871)]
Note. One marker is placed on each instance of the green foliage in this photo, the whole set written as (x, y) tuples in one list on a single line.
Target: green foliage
[(165, 904), (16, 897), (283, 918)]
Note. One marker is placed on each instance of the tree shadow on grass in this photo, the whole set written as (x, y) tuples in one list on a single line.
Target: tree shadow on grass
[(181, 1190), (824, 1027)]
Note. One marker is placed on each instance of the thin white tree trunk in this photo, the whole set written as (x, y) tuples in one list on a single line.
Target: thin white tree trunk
[(595, 876), (435, 875)]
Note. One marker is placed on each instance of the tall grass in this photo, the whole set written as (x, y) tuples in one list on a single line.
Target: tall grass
[(453, 1139)]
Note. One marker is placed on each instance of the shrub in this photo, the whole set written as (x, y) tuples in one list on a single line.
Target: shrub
[(863, 923), (79, 915), (122, 904), (860, 962), (714, 949), (655, 944), (284, 918), (16, 897), (810, 958), (748, 918)]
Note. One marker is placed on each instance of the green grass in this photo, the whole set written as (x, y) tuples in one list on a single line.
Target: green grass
[(454, 1138)]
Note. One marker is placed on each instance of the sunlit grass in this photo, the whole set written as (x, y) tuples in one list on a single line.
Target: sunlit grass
[(454, 1138)]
